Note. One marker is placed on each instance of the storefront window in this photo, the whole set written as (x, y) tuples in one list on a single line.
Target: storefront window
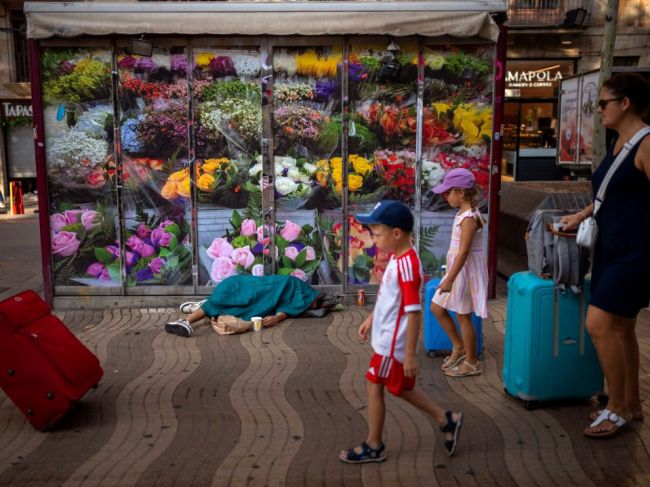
[(456, 132), (227, 132), (530, 114), (212, 131), (78, 114), (153, 101), (307, 160)]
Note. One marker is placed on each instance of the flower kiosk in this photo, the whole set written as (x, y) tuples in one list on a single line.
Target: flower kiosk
[(181, 143)]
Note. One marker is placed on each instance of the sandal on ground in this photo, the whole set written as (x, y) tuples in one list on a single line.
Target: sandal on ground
[(453, 360), (452, 427), (190, 306), (367, 455), (465, 369), (614, 419), (182, 328), (593, 416)]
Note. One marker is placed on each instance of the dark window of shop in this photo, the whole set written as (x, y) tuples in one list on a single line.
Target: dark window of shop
[(19, 26), (626, 60), (530, 117)]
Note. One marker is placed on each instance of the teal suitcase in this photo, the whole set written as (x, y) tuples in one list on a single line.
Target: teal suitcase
[(548, 352)]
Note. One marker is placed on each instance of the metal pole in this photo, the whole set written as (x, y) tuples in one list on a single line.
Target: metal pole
[(495, 160), (419, 115), (41, 170), (345, 124), (191, 154), (268, 166), (117, 154)]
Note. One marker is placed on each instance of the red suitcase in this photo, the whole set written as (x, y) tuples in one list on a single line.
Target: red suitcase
[(44, 368)]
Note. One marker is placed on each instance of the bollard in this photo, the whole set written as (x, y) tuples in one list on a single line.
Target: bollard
[(16, 198)]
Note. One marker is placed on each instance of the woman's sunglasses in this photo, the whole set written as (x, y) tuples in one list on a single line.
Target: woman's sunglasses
[(603, 103)]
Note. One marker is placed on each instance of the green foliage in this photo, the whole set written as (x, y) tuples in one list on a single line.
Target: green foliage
[(234, 89), (22, 121), (363, 139), (370, 63), (90, 79), (457, 62)]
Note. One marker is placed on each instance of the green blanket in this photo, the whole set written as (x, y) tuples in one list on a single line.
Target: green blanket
[(246, 296)]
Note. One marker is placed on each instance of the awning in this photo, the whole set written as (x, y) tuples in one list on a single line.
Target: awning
[(463, 19)]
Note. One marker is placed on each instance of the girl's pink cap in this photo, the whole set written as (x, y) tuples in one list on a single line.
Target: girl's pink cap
[(456, 178)]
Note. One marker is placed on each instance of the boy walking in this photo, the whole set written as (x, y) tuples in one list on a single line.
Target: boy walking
[(395, 326)]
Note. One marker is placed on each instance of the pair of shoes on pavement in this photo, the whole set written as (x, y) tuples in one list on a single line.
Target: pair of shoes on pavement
[(182, 328), (191, 306)]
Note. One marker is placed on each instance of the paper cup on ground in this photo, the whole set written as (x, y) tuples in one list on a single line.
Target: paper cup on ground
[(257, 323)]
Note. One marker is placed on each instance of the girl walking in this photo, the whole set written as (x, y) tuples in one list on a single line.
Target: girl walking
[(463, 288)]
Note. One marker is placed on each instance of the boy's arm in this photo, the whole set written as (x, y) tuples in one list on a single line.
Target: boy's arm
[(365, 326), (468, 228), (411, 365)]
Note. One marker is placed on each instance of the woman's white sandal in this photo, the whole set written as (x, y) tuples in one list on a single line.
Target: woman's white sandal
[(605, 415)]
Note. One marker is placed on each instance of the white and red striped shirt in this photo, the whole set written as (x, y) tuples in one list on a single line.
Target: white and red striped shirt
[(399, 294)]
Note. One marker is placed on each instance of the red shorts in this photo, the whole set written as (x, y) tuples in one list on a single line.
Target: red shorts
[(390, 373)]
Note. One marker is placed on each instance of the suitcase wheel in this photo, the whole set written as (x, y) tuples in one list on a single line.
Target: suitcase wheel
[(11, 372), (530, 405), (431, 354), (50, 396)]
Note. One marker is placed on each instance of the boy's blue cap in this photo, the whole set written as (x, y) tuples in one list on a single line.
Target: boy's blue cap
[(394, 214)]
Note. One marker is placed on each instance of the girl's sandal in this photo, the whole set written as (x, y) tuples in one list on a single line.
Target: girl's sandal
[(367, 455), (464, 370), (453, 360), (614, 419)]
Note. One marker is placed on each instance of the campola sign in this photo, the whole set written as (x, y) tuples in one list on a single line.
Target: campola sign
[(541, 78)]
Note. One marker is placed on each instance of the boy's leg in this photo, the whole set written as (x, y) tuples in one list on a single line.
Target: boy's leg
[(469, 337), (376, 417), (376, 414), (423, 402), (197, 315)]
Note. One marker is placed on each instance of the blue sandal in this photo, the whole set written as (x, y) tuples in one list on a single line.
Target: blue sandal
[(367, 454), (452, 427)]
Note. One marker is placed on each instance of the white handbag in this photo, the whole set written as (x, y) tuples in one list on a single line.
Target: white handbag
[(588, 229), (587, 233)]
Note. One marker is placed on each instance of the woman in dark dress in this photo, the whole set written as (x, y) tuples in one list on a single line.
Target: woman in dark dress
[(620, 281)]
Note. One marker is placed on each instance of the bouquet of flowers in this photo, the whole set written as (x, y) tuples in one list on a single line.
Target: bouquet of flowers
[(141, 172), (222, 181), (235, 89), (243, 250), (364, 180), (75, 81), (156, 253), (164, 129), (76, 159), (398, 171), (398, 124), (473, 122), (309, 63), (238, 120), (294, 180), (366, 263), (292, 92), (476, 159), (151, 91), (296, 124), (75, 234)]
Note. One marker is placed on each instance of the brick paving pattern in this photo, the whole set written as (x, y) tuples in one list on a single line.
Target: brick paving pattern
[(275, 407)]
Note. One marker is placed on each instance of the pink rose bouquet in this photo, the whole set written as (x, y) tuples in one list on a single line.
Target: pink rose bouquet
[(242, 250)]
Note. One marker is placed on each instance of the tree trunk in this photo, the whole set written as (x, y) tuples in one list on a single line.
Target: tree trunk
[(607, 56)]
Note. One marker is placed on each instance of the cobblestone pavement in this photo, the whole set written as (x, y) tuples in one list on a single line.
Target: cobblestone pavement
[(275, 407)]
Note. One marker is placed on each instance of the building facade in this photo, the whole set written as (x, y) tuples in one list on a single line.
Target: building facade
[(549, 40)]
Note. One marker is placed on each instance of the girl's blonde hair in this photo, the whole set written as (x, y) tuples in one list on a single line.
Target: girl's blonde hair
[(472, 196)]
